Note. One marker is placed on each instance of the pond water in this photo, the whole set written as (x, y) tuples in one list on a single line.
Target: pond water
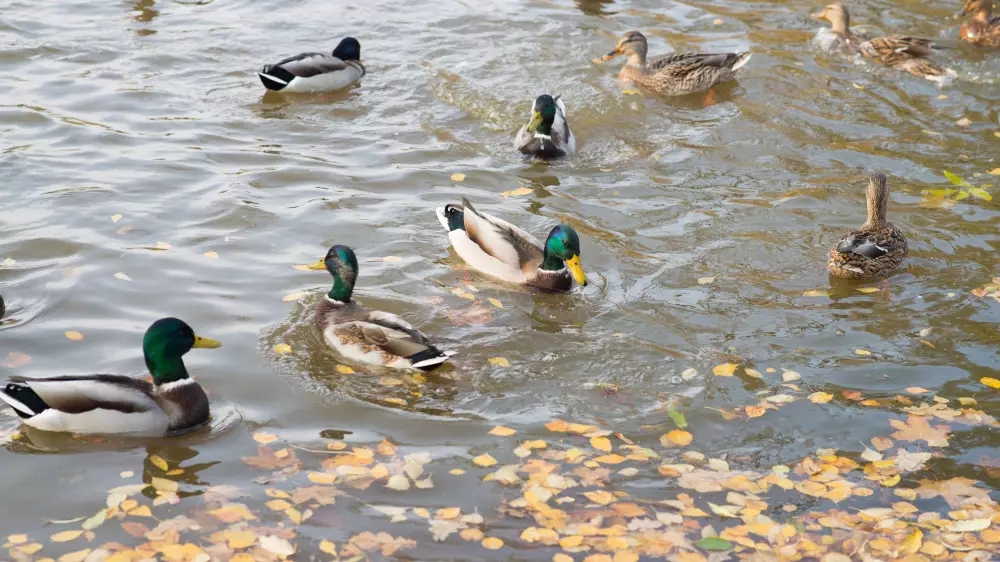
[(146, 174)]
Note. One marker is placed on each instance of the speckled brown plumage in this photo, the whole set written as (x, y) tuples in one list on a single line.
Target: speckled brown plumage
[(875, 249), (677, 74), (982, 30)]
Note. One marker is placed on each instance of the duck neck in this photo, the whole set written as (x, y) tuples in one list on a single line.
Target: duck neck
[(166, 369), (551, 263), (340, 291), (638, 60), (876, 214)]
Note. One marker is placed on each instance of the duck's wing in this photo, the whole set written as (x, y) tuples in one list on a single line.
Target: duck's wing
[(386, 339), (868, 253), (680, 64), (305, 65), (500, 239), (561, 135)]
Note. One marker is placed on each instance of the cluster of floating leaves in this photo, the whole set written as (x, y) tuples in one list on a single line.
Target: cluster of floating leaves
[(581, 493), (989, 291)]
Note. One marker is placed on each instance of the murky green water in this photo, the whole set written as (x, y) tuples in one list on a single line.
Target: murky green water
[(151, 110)]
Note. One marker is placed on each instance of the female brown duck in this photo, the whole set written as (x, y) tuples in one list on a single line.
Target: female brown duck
[(982, 29), (876, 248), (896, 51), (677, 74)]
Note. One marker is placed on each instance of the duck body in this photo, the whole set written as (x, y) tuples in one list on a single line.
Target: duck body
[(874, 250), (547, 133), (677, 74), (316, 72), (115, 404), (902, 52), (982, 30), (368, 336), (502, 250)]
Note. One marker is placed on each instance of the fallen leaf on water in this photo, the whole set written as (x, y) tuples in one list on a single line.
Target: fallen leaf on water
[(492, 543), (862, 352), (676, 438), (240, 539), (964, 122), (74, 335), (724, 370), (16, 359), (457, 177), (125, 230), (518, 191), (66, 536), (344, 370), (398, 482), (495, 302), (264, 438), (631, 92), (990, 382), (815, 293), (283, 349), (122, 276), (868, 289), (916, 390), (116, 217), (485, 460), (159, 462), (918, 428), (714, 544), (755, 411), (754, 373), (162, 246), (717, 21), (677, 416), (502, 431), (705, 280), (689, 374), (392, 259), (601, 444), (789, 376), (994, 172), (499, 361), (277, 546), (211, 255), (78, 556), (293, 296), (328, 547)]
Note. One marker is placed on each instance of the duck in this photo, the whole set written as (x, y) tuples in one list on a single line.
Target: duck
[(3, 308), (982, 30), (116, 404), (876, 248), (316, 72), (501, 250), (901, 52), (677, 74), (547, 134), (367, 336)]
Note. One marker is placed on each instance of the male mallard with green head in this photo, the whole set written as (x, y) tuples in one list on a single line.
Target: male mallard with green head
[(901, 52), (875, 249), (982, 29), (316, 72), (677, 74), (368, 336), (172, 403), (500, 249), (547, 134)]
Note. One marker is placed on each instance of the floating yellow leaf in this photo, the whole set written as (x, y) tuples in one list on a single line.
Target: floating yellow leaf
[(398, 482), (282, 349), (677, 438), (240, 539), (484, 460), (264, 438), (990, 382), (705, 280), (456, 472), (916, 390), (502, 431), (163, 484), (815, 293), (717, 21), (755, 411), (66, 536), (30, 548), (631, 92), (600, 497), (116, 217), (344, 370), (17, 539), (162, 246), (610, 459), (328, 547), (322, 477), (499, 361), (159, 462), (868, 289), (495, 302), (211, 255), (862, 352), (601, 444), (74, 335), (141, 511), (277, 546), (994, 172), (78, 556), (724, 370), (518, 191), (967, 401), (448, 513), (278, 505), (457, 177), (293, 296), (392, 259)]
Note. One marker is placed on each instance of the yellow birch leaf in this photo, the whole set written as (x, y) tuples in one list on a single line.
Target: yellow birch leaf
[(159, 462), (755, 411), (344, 370), (212, 255), (484, 460), (601, 444), (328, 547), (990, 382), (74, 335), (815, 293), (293, 296), (278, 505), (78, 556), (499, 361), (66, 536), (676, 438), (518, 191), (30, 548), (282, 349), (820, 397), (17, 539), (457, 177), (492, 543), (322, 477), (862, 352), (913, 542), (264, 438), (600, 497), (502, 431), (141, 511), (868, 289), (116, 217), (456, 472), (240, 539), (163, 484), (724, 370), (495, 302)]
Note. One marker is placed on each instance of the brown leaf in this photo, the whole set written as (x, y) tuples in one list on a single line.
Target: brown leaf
[(955, 491), (267, 459), (918, 428)]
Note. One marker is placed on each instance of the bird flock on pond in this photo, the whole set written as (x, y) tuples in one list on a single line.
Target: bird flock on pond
[(173, 403)]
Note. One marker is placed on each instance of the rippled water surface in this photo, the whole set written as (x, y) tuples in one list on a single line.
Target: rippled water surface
[(129, 127)]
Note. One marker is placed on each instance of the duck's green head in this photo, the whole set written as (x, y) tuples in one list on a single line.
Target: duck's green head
[(166, 341), (543, 114), (348, 49), (562, 249), (342, 264)]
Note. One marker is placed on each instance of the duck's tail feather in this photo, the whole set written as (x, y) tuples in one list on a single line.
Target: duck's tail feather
[(741, 59), (429, 359), (275, 77), (24, 400), (451, 217)]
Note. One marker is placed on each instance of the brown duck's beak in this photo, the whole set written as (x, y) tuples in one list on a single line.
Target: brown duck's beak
[(819, 15), (614, 53)]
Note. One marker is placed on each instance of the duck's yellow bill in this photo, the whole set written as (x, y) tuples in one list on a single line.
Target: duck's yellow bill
[(576, 270), (536, 121), (206, 343), (317, 265)]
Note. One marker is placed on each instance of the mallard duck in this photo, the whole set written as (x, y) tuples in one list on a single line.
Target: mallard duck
[(982, 29), (547, 134), (876, 248), (677, 74), (3, 308), (172, 403), (316, 72), (368, 336), (502, 250), (896, 51)]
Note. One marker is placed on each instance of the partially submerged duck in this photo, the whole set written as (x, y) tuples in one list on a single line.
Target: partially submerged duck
[(901, 52), (316, 72), (115, 404), (368, 336), (677, 74), (875, 249), (499, 249), (547, 134), (982, 29)]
